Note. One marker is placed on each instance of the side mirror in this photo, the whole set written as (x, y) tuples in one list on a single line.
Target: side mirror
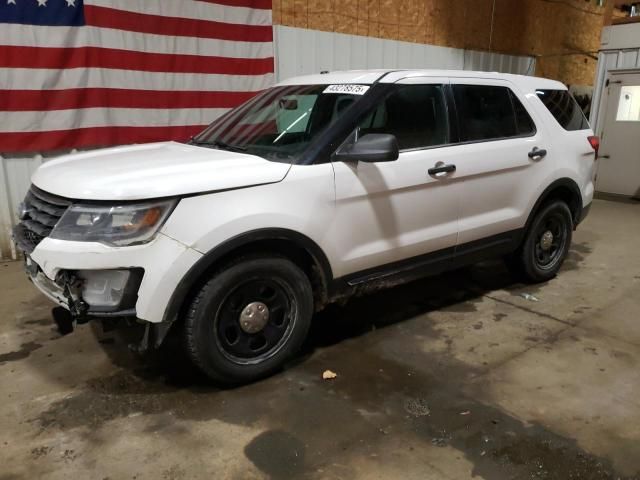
[(373, 147)]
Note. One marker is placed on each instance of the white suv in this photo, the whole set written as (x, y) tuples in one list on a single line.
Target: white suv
[(317, 188)]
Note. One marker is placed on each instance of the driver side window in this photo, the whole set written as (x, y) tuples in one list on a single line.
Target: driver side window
[(415, 114)]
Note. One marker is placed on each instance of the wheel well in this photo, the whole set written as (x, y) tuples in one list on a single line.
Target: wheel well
[(565, 190), (289, 249), (296, 247)]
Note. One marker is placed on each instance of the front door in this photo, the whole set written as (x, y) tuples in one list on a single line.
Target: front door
[(394, 211), (619, 159)]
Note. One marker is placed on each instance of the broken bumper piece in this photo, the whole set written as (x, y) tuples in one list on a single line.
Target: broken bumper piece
[(90, 293)]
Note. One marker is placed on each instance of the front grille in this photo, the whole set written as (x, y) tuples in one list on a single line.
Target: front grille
[(40, 214)]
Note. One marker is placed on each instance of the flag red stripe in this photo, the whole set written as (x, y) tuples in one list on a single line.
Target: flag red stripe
[(173, 26), (93, 137), (32, 100), (259, 4), (87, 57)]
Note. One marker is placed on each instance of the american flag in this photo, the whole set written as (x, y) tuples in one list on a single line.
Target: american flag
[(79, 74)]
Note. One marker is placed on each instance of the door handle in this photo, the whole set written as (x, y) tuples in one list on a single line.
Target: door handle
[(537, 153), (441, 168)]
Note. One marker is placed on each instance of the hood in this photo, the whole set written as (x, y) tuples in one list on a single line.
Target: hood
[(153, 170)]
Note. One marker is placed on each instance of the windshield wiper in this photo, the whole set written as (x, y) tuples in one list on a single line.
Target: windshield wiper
[(218, 144)]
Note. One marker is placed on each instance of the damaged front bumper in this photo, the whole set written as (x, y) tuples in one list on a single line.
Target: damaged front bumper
[(90, 293), (86, 295), (120, 286)]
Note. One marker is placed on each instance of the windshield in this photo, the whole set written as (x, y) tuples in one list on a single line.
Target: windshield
[(281, 122)]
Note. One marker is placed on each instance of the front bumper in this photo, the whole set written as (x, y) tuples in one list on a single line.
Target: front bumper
[(53, 264), (76, 292), (47, 286)]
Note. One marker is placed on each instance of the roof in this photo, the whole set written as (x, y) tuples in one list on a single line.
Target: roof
[(367, 77)]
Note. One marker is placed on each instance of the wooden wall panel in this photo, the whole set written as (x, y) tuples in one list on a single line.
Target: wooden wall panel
[(477, 35), (560, 33)]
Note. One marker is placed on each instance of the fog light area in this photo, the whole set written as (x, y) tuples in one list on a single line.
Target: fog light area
[(104, 288)]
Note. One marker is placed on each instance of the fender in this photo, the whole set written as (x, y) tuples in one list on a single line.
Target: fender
[(575, 202), (195, 273)]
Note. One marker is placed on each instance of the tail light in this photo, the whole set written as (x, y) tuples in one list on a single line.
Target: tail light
[(595, 143)]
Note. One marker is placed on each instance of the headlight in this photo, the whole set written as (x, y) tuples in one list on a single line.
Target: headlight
[(116, 225)]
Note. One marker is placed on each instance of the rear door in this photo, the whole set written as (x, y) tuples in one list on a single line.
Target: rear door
[(497, 174)]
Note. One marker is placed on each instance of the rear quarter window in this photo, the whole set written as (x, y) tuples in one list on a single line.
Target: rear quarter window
[(564, 109)]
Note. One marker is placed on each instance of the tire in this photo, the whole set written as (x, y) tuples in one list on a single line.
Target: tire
[(248, 319), (546, 244)]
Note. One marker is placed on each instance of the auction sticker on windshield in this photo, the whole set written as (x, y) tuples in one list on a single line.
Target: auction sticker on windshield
[(345, 88)]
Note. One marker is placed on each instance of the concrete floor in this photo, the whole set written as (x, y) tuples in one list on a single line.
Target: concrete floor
[(448, 378)]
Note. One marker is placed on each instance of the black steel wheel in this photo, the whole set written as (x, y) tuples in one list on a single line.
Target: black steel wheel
[(546, 243), (550, 239), (254, 320), (249, 318)]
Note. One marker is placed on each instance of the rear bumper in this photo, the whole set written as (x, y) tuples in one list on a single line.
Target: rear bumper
[(583, 213)]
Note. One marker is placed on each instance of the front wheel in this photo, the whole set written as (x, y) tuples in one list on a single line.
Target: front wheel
[(547, 243), (249, 319)]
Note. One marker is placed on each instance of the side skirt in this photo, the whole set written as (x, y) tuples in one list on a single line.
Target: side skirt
[(430, 264)]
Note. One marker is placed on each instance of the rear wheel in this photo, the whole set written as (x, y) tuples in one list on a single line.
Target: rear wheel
[(546, 244), (249, 319)]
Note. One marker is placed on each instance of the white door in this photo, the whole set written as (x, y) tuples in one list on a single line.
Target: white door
[(497, 166), (619, 160), (391, 211)]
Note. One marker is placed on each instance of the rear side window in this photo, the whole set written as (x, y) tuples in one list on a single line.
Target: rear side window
[(415, 114), (564, 108), (524, 123), (487, 112)]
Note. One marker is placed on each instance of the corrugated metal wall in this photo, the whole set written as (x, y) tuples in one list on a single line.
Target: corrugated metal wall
[(298, 51), (301, 51), (496, 62), (608, 61), (15, 175)]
